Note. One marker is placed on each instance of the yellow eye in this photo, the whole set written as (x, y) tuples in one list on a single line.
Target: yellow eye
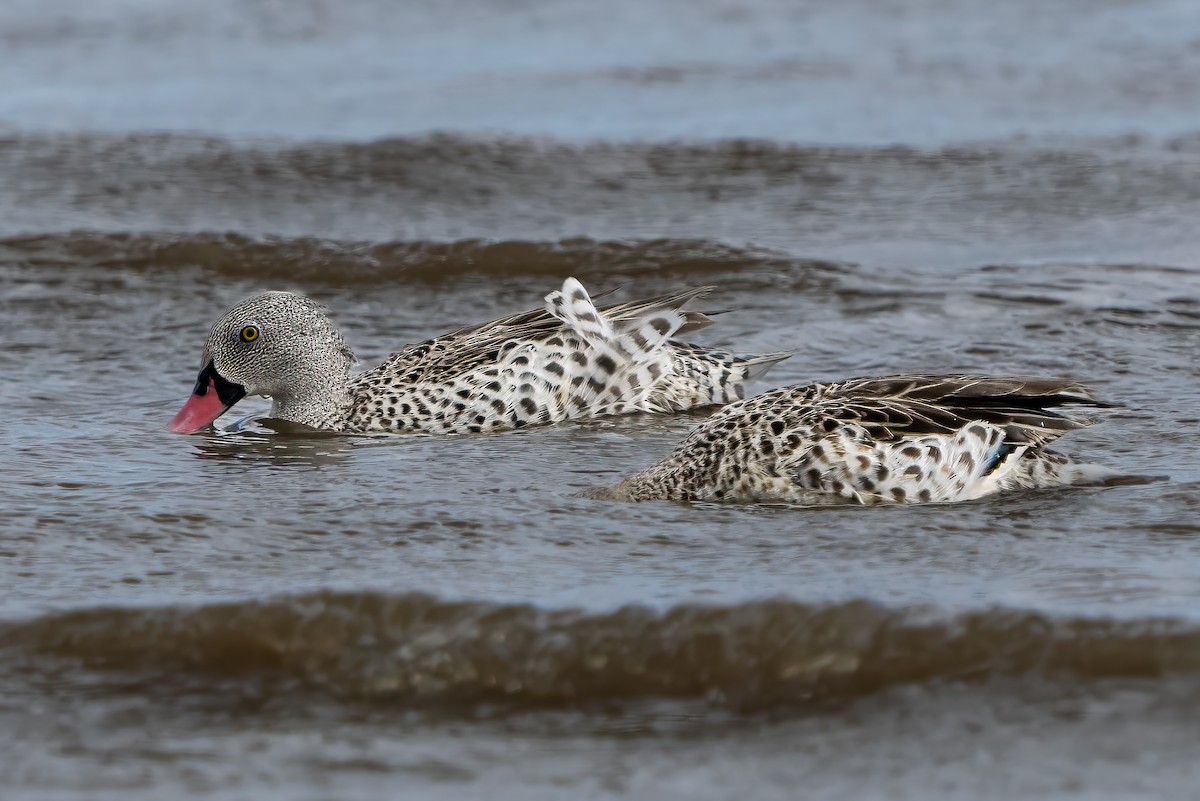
[(249, 333)]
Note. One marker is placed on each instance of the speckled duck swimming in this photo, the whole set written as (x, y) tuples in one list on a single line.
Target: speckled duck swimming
[(566, 361), (901, 439)]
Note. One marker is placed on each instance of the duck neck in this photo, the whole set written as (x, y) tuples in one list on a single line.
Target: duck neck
[(320, 404), (652, 484)]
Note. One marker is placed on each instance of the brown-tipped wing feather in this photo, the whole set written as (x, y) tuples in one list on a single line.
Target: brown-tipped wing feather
[(471, 346), (1028, 409)]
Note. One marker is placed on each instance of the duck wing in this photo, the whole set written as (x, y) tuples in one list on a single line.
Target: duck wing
[(1030, 411), (442, 358)]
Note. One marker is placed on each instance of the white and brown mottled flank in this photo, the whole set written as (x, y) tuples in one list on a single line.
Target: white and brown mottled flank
[(901, 439), (565, 361)]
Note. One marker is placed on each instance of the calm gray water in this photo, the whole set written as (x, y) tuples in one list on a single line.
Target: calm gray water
[(883, 186)]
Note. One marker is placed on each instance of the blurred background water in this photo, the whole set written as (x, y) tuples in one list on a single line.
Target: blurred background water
[(885, 186)]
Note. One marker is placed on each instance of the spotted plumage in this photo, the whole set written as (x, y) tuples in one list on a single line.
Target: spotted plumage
[(567, 360), (902, 439)]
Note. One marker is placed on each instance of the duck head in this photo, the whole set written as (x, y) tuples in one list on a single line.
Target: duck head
[(276, 344)]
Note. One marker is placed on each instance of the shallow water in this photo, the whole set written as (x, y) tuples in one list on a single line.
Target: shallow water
[(256, 613)]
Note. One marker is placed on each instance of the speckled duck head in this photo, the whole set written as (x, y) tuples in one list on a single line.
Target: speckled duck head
[(275, 344)]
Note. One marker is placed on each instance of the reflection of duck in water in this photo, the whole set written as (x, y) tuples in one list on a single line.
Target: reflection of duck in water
[(569, 360), (276, 443), (902, 439)]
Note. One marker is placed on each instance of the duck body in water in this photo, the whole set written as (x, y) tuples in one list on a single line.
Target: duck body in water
[(899, 439), (568, 360)]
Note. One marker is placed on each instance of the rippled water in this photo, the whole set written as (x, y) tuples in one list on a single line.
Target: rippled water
[(257, 613)]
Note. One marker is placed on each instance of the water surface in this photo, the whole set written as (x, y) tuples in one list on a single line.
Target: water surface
[(920, 187)]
